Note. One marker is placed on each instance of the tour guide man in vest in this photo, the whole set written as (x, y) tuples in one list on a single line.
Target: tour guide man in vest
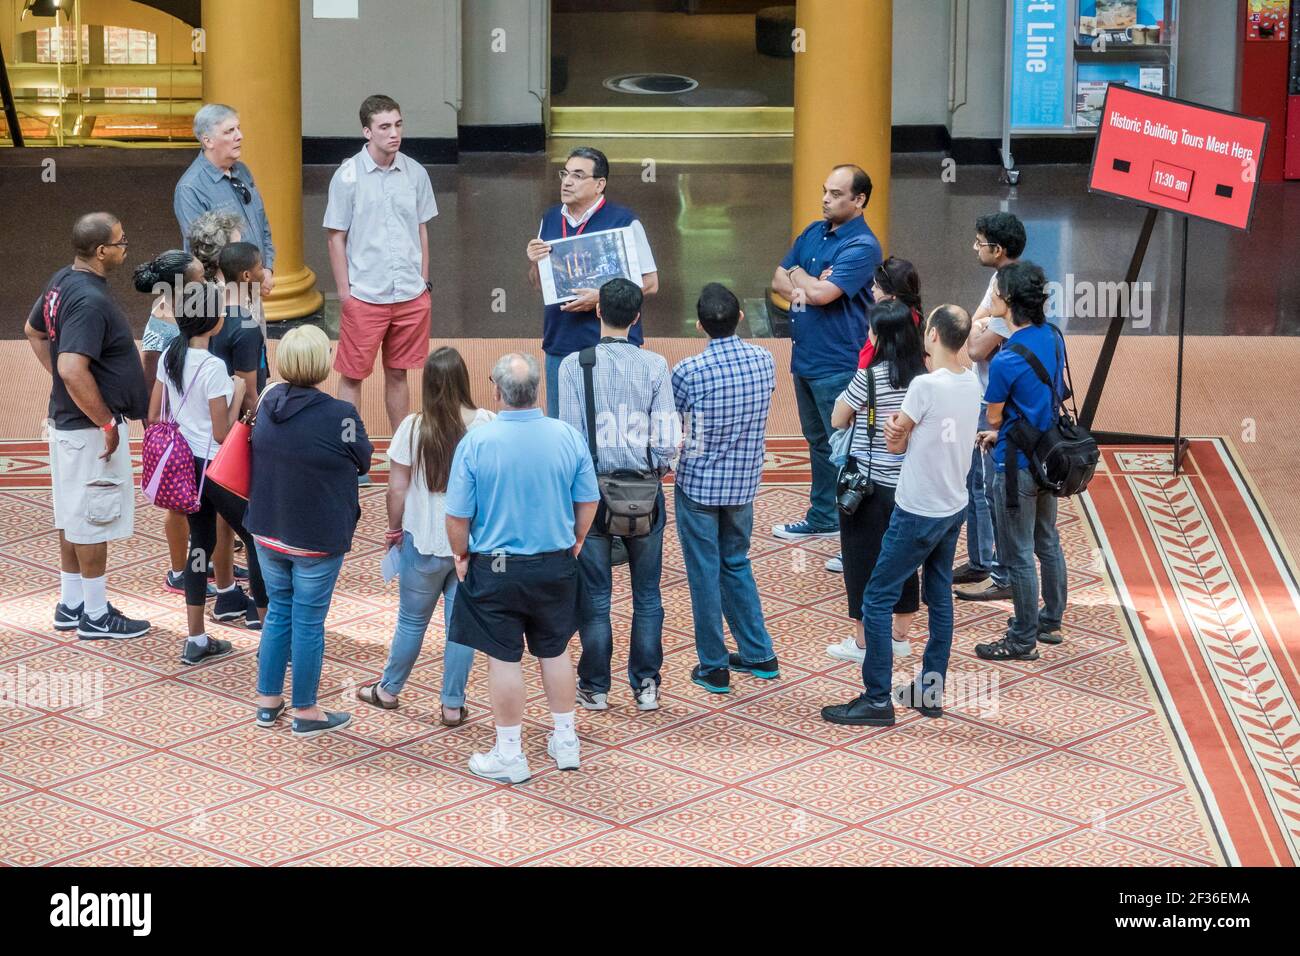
[(573, 326)]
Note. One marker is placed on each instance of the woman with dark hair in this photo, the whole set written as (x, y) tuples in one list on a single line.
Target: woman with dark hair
[(204, 401), (898, 356), (166, 276), (894, 279), (420, 455)]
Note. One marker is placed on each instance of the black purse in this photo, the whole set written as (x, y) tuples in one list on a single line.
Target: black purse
[(628, 499), (854, 487)]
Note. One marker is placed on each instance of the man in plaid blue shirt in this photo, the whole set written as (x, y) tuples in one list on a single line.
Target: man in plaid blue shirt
[(637, 429), (723, 395)]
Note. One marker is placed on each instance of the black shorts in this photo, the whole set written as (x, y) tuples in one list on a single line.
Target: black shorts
[(507, 600)]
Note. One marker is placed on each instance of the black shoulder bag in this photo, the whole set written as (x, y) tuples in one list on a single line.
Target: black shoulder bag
[(1063, 458), (628, 498), (854, 487)]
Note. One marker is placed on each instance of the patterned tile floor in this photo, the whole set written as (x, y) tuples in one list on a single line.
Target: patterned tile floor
[(1068, 760)]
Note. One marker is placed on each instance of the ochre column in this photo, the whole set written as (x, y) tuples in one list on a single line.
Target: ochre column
[(843, 86), (252, 62)]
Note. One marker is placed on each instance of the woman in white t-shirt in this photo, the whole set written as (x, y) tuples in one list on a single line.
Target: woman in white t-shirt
[(420, 457), (193, 389), (898, 356)]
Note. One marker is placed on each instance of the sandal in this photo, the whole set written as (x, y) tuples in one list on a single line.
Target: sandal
[(464, 716), (372, 698), (1003, 651)]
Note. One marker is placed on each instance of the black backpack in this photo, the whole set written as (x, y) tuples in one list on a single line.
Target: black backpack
[(1063, 458)]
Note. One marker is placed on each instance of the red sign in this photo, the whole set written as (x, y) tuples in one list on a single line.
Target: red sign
[(1176, 155)]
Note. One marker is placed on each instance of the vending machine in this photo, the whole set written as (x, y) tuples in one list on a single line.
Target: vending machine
[(1267, 81)]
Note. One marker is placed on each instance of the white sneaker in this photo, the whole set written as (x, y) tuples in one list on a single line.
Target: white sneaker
[(647, 697), (592, 700), (564, 753), (902, 648), (835, 565), (493, 766), (847, 650)]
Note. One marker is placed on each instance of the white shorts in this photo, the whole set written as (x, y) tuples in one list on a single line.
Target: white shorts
[(94, 500)]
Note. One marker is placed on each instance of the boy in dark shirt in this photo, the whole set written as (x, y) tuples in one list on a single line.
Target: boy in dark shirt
[(241, 344)]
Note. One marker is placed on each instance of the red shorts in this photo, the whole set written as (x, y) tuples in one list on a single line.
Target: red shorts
[(402, 328)]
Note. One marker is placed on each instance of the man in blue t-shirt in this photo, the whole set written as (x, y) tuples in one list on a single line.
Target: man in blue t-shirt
[(1016, 392), (826, 276)]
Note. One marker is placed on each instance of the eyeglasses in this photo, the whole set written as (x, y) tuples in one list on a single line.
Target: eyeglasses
[(121, 243), (577, 177), (990, 245), (239, 186)]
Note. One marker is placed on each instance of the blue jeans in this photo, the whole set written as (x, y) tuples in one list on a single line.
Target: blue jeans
[(981, 532), (645, 558), (553, 384), (421, 580), (911, 542), (816, 400), (299, 592), (715, 548), (1027, 531)]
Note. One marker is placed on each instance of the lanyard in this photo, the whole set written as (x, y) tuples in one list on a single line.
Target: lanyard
[(564, 220)]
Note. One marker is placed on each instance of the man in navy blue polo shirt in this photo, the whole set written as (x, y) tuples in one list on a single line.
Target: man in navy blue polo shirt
[(826, 276), (573, 326)]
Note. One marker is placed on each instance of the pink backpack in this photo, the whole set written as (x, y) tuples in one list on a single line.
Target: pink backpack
[(167, 472)]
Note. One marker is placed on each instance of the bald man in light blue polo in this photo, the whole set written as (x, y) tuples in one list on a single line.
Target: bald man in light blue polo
[(521, 497)]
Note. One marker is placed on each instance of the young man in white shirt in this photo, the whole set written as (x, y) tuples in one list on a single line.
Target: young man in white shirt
[(380, 204), (936, 430)]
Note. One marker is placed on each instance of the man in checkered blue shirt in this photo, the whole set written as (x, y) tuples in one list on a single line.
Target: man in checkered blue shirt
[(723, 395), (637, 429)]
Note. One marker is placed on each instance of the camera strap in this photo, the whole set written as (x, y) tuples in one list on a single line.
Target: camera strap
[(871, 420)]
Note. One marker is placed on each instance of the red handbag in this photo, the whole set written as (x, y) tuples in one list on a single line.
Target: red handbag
[(232, 468)]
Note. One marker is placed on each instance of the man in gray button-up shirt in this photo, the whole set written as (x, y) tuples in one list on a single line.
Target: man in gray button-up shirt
[(380, 203), (218, 180)]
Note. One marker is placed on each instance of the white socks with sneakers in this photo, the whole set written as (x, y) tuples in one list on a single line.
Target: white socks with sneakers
[(509, 741), (70, 592), (94, 592), (198, 640), (564, 729)]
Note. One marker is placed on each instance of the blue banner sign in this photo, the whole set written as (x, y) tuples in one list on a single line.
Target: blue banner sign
[(1039, 42)]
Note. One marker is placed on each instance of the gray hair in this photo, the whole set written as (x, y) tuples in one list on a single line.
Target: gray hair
[(518, 386), (209, 234), (208, 116)]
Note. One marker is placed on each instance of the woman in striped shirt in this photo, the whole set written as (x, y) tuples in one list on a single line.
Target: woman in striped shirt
[(898, 356)]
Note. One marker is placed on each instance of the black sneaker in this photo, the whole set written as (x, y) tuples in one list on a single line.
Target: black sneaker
[(193, 654), (176, 584), (767, 670), (241, 573), (267, 716), (1044, 637), (113, 626), (1003, 651), (252, 619), (231, 605), (715, 681), (909, 695), (967, 574), (67, 618), (859, 712)]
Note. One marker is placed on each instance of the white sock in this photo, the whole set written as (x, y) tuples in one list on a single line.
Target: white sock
[(564, 731), (198, 640), (229, 589), (70, 595), (94, 592), (509, 740)]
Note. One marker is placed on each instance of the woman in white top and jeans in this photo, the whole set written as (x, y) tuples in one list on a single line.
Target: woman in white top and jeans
[(420, 457), (898, 356), (204, 402)]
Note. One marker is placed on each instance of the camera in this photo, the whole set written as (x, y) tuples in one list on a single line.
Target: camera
[(852, 489)]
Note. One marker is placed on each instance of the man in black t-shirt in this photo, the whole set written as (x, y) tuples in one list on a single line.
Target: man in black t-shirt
[(83, 340)]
